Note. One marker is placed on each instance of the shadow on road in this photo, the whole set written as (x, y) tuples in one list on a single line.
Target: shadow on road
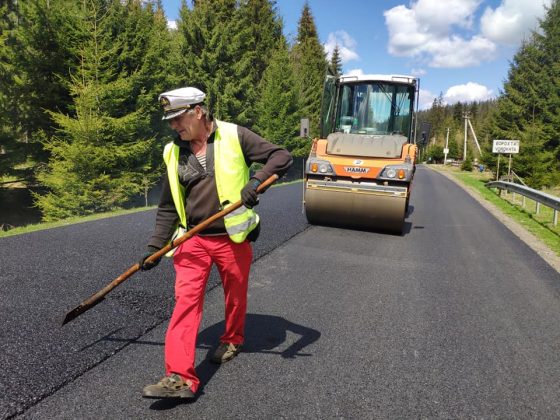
[(263, 334)]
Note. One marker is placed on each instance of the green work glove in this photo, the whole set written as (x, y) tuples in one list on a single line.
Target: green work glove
[(145, 265)]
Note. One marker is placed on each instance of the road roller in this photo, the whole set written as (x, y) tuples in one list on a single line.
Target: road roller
[(359, 172)]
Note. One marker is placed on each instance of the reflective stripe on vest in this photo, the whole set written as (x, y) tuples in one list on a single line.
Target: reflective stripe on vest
[(231, 174), (240, 222), (171, 159)]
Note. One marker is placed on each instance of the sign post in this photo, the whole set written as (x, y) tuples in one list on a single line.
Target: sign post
[(304, 127), (505, 146)]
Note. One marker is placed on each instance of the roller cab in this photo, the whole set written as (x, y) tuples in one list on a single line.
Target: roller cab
[(359, 173)]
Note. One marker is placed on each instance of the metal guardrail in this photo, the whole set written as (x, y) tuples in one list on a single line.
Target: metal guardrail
[(510, 178), (537, 196)]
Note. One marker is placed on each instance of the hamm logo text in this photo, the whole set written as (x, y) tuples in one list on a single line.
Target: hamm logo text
[(354, 170)]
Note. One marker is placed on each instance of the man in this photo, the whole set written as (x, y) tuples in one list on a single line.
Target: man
[(207, 169)]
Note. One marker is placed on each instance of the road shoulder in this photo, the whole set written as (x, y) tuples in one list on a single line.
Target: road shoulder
[(518, 230)]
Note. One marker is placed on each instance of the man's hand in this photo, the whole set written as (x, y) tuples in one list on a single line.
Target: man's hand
[(145, 265), (249, 196)]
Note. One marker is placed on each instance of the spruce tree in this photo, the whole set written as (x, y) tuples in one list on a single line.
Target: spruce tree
[(529, 107), (467, 164), (436, 117), (548, 41), (11, 150), (158, 72), (534, 163), (434, 153), (519, 114), (259, 30), (97, 161), (264, 31), (40, 61), (277, 106), (208, 38), (457, 112), (226, 46), (146, 54), (453, 147), (310, 66), (45, 36), (335, 65)]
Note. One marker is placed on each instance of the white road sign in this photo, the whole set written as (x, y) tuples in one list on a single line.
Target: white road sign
[(505, 146)]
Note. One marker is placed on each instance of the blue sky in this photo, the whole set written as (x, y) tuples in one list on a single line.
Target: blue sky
[(460, 48)]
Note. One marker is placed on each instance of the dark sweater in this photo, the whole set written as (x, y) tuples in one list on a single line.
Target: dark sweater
[(200, 184)]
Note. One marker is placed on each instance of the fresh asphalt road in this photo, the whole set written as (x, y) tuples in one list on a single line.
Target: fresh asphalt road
[(455, 318)]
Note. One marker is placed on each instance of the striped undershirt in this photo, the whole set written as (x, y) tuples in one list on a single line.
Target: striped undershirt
[(202, 159)]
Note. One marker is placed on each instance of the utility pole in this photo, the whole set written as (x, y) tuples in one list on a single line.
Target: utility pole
[(468, 124), (465, 116), (474, 136), (446, 150)]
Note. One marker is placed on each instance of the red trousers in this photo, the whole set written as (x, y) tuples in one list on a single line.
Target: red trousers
[(193, 261)]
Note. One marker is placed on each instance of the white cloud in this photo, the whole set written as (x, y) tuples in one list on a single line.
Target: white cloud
[(425, 99), (425, 31), (346, 46), (405, 36), (512, 20), (455, 52), (469, 92), (436, 16), (355, 72), (418, 72), (443, 33), (172, 24)]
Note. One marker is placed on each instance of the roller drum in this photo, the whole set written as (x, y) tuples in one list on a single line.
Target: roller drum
[(363, 210)]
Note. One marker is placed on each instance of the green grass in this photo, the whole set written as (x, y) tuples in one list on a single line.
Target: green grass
[(540, 225), (21, 174), (75, 220), (70, 221), (8, 179)]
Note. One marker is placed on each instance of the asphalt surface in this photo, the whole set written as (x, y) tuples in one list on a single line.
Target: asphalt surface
[(455, 318), (45, 274)]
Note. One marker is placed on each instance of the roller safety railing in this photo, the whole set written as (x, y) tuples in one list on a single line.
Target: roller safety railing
[(537, 196)]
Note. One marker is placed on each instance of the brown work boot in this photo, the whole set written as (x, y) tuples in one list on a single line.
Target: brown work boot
[(225, 352), (172, 386)]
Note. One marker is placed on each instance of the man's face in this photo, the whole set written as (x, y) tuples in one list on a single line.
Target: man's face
[(185, 124)]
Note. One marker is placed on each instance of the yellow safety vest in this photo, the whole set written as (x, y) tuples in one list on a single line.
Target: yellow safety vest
[(231, 174)]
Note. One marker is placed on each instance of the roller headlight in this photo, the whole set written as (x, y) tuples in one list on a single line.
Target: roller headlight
[(397, 172), (319, 167), (390, 173)]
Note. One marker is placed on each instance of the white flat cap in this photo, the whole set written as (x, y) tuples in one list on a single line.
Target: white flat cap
[(177, 101)]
